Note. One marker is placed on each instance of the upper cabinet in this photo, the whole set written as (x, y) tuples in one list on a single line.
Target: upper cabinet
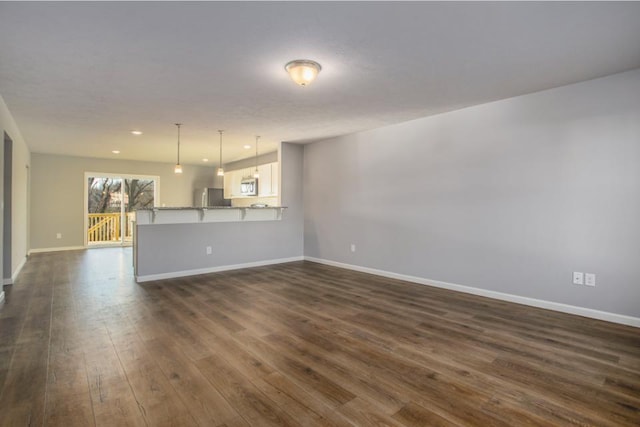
[(228, 184), (267, 182), (275, 178)]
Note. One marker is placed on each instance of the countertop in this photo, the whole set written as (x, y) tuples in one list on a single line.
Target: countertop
[(190, 214), (179, 208)]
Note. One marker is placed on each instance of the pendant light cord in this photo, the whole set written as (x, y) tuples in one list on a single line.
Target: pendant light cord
[(257, 138), (220, 132), (178, 124)]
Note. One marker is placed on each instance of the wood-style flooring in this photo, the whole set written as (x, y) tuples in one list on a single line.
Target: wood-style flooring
[(298, 344)]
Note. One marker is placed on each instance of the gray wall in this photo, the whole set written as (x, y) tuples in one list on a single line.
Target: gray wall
[(181, 247), (510, 196), (19, 183), (57, 192)]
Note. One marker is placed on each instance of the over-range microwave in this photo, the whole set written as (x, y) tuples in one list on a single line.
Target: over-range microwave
[(249, 187)]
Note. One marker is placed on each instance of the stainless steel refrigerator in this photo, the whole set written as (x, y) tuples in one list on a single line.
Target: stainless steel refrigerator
[(203, 197)]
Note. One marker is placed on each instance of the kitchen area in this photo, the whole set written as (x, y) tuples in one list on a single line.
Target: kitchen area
[(235, 226)]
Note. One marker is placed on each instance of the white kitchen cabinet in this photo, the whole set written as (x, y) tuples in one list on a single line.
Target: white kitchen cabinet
[(264, 182), (275, 182), (268, 181), (227, 185), (232, 180)]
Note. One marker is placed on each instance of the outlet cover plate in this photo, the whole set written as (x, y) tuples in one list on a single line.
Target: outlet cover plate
[(590, 279), (578, 278)]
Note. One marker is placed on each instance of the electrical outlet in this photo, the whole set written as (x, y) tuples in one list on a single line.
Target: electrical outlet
[(578, 278), (590, 279), (353, 247), (58, 235), (209, 251)]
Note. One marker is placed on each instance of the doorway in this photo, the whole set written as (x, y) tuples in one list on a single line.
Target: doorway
[(110, 204), (7, 204)]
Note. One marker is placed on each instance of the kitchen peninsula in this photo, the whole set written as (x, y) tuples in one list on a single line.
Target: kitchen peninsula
[(184, 241)]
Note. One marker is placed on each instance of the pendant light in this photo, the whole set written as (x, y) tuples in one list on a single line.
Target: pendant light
[(303, 71), (255, 173), (220, 169), (178, 168)]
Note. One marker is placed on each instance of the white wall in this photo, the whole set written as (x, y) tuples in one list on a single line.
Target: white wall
[(19, 206), (57, 195), (511, 196)]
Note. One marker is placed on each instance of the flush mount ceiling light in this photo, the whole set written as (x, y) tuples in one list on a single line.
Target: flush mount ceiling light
[(178, 168), (115, 151), (247, 146), (303, 71), (136, 132), (220, 170)]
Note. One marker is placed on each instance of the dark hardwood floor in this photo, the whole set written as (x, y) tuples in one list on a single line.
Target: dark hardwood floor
[(297, 344)]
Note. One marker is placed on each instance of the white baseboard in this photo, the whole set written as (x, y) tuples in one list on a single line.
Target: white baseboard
[(185, 273), (19, 269), (14, 276), (549, 305), (63, 248)]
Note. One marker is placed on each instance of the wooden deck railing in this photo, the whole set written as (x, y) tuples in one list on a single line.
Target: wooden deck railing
[(106, 227)]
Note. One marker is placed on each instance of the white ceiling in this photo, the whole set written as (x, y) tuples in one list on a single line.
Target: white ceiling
[(79, 76)]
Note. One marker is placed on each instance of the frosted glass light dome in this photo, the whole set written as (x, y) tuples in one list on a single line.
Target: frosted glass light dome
[(303, 71)]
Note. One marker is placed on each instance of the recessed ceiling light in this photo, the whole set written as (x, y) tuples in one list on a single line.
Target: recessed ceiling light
[(246, 147), (115, 151), (205, 160), (136, 132)]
